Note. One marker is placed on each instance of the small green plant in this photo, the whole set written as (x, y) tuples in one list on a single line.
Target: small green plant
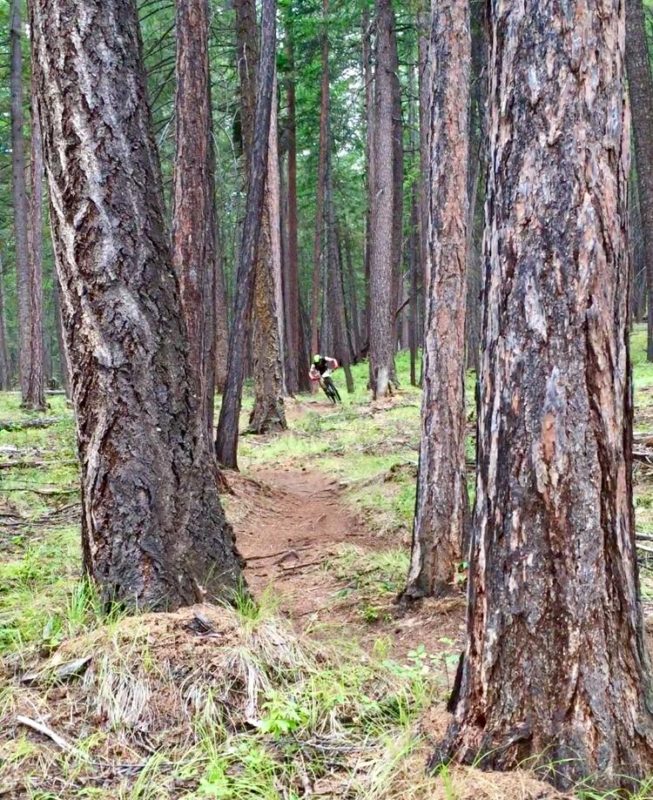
[(283, 715)]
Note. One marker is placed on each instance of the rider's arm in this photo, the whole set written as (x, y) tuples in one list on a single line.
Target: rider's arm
[(332, 361), (313, 374)]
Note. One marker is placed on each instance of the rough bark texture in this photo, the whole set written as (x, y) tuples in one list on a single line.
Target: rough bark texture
[(441, 503), (34, 396), (268, 413), (227, 436), (297, 373), (382, 246), (5, 371), (193, 199), (555, 668), (640, 84), (153, 531), (64, 367), (19, 197)]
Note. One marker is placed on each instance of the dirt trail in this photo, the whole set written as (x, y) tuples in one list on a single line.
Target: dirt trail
[(288, 524)]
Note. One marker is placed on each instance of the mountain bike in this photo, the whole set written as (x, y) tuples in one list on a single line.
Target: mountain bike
[(329, 388)]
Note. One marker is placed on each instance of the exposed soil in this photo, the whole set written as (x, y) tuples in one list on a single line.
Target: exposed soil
[(290, 525)]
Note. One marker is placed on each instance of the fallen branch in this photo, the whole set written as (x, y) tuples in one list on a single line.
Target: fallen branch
[(35, 464), (24, 424), (62, 743)]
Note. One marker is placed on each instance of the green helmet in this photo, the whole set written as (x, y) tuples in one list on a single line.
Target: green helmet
[(317, 359)]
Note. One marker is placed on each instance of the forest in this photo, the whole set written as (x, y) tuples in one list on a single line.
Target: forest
[(326, 399)]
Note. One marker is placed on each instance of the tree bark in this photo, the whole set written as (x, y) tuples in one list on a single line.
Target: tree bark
[(555, 668), (64, 366), (384, 205), (193, 199), (297, 373), (227, 436), (320, 216), (640, 84), (5, 371), (441, 503), (153, 531), (35, 395), (368, 79), (19, 197), (268, 413)]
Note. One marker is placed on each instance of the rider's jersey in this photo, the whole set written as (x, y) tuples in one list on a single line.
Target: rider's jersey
[(321, 366)]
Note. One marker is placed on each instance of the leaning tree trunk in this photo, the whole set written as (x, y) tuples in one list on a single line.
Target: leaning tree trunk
[(35, 396), (382, 249), (441, 504), (226, 443), (640, 84), (555, 670), (153, 531), (193, 199), (19, 197)]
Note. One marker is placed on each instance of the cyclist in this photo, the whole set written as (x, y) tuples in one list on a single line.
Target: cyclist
[(321, 370)]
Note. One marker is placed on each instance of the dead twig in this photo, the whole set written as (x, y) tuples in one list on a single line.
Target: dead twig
[(43, 729)]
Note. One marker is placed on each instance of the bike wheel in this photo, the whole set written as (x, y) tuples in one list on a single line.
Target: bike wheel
[(331, 391)]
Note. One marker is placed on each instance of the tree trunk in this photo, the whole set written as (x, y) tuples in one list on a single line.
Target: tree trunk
[(19, 197), (227, 436), (384, 205), (441, 504), (268, 413), (555, 668), (297, 373), (414, 285), (398, 202), (35, 395), (5, 371), (193, 199), (320, 226), (368, 79), (221, 317), (153, 531), (640, 84), (64, 367)]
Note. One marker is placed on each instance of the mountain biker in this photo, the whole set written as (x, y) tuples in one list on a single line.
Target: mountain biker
[(321, 366)]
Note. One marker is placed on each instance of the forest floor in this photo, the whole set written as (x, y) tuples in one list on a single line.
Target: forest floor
[(323, 688)]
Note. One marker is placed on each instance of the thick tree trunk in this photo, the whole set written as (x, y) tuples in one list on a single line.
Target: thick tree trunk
[(414, 285), (35, 394), (384, 205), (193, 199), (640, 84), (153, 531), (227, 436), (221, 318), (5, 371), (442, 504), (19, 197), (398, 202), (555, 668), (268, 413), (297, 377)]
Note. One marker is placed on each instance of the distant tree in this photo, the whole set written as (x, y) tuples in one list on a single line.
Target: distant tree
[(19, 197), (640, 84), (442, 504), (227, 436), (153, 531), (193, 198), (555, 671), (383, 248), (35, 397)]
